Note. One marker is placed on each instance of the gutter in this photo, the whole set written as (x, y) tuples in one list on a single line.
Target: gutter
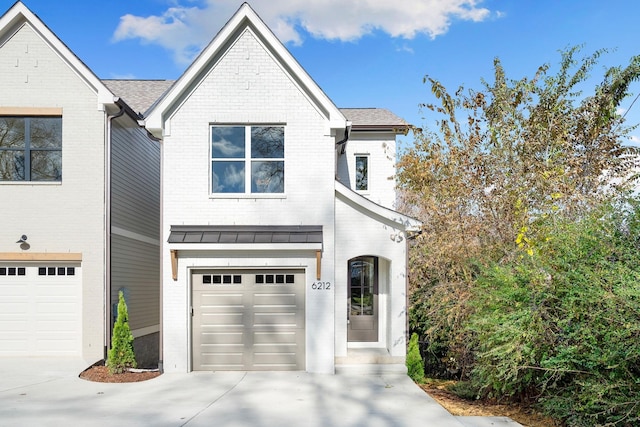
[(107, 224)]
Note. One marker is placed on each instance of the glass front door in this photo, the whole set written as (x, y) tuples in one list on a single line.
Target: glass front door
[(363, 300)]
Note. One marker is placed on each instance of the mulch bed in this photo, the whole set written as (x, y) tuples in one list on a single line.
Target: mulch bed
[(100, 373)]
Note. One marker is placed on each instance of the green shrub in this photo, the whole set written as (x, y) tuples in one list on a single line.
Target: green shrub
[(121, 355), (415, 366), (464, 389), (562, 327)]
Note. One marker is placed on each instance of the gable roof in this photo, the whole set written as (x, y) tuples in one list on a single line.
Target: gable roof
[(19, 15), (244, 18)]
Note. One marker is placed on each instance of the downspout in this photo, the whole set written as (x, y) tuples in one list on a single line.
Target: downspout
[(107, 226), (341, 146)]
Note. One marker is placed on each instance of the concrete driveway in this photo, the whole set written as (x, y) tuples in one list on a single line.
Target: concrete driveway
[(48, 392)]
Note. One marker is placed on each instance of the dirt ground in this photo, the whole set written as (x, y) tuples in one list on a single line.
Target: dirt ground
[(458, 406)]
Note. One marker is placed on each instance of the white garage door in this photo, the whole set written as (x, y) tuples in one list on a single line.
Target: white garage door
[(248, 320), (40, 310)]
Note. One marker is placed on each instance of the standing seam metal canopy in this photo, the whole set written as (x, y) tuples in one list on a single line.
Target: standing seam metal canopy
[(245, 234)]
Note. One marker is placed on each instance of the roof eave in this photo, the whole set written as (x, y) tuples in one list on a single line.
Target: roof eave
[(403, 221)]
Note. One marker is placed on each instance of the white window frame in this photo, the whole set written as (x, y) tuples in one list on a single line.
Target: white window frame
[(247, 159)]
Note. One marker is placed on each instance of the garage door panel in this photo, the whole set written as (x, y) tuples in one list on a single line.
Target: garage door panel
[(275, 360), (222, 338), (13, 344), (10, 326), (61, 308), (220, 300), (275, 299), (222, 362), (53, 344), (268, 312), (275, 319), (278, 338), (221, 320), (14, 306)]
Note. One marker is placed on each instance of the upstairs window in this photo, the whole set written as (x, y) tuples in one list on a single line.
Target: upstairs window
[(30, 148), (247, 159), (362, 173)]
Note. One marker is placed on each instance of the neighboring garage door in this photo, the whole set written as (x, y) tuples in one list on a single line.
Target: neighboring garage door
[(40, 309), (248, 320)]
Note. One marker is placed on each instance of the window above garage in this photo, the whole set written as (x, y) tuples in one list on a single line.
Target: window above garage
[(30, 148), (247, 160)]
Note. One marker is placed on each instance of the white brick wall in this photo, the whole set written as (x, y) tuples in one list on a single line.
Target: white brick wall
[(369, 236), (67, 216), (381, 150), (246, 86)]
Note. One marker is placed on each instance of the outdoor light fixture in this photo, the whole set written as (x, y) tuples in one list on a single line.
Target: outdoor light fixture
[(23, 239)]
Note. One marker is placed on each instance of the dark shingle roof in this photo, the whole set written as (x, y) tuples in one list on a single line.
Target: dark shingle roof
[(138, 94)]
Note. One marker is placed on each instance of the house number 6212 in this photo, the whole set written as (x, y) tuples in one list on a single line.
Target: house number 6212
[(321, 286)]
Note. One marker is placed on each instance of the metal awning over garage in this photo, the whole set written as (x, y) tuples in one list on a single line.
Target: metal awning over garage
[(252, 234)]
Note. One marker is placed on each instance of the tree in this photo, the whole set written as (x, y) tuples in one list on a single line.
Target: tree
[(121, 355), (497, 163)]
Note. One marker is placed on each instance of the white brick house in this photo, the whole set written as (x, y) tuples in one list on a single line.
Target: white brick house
[(249, 221), (271, 258), (80, 180)]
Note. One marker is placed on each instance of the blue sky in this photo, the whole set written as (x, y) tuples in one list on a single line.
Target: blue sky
[(362, 53)]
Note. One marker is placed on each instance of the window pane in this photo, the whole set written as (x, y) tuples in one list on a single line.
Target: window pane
[(227, 142), (227, 177), (267, 177), (46, 165), (46, 132), (11, 132), (267, 142), (11, 165), (362, 173)]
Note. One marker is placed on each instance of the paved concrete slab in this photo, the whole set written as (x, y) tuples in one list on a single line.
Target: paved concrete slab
[(48, 392), (488, 422)]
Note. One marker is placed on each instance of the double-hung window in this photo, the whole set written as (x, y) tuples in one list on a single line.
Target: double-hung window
[(30, 148), (247, 159)]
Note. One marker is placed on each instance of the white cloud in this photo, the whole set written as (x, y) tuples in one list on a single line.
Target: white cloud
[(186, 29)]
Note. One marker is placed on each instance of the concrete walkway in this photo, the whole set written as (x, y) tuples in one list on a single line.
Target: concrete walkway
[(49, 393)]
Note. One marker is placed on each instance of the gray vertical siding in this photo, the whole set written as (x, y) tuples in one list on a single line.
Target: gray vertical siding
[(135, 221)]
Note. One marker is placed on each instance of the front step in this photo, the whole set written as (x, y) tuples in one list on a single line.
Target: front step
[(370, 361)]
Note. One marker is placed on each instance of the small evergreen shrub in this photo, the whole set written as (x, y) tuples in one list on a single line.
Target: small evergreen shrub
[(121, 355), (415, 366)]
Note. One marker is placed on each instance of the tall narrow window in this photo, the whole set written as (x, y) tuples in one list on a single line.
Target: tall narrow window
[(247, 159), (362, 173), (30, 148)]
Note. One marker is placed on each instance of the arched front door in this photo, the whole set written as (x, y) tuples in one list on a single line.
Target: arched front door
[(363, 299)]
